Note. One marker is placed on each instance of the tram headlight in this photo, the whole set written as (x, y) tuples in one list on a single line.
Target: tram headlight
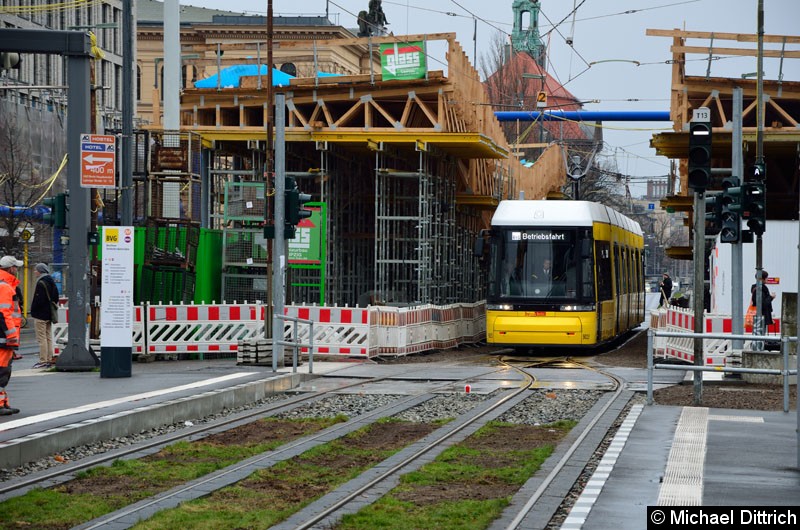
[(575, 307), (499, 307)]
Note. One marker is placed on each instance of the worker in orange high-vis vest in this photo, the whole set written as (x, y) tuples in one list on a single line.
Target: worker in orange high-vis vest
[(10, 320)]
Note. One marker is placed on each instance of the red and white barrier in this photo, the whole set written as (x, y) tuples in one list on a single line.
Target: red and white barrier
[(337, 330), (202, 328), (173, 329), (343, 331), (715, 351)]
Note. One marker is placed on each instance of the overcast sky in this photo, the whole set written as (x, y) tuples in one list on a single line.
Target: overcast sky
[(601, 30)]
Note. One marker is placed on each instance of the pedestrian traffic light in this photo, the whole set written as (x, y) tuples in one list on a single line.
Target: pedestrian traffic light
[(699, 155), (9, 60), (754, 206), (756, 172), (713, 214), (57, 217)]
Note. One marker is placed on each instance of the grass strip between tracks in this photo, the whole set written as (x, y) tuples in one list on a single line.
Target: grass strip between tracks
[(271, 495), (468, 485), (104, 489)]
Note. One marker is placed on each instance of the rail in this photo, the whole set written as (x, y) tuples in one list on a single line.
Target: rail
[(295, 344), (786, 372)]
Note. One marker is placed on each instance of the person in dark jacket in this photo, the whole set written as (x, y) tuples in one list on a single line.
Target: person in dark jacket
[(666, 289), (44, 293), (766, 299)]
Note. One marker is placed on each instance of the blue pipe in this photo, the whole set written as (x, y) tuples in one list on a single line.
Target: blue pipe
[(584, 115), (36, 213), (32, 213)]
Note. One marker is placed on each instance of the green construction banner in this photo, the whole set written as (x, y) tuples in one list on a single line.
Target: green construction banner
[(306, 246), (403, 60)]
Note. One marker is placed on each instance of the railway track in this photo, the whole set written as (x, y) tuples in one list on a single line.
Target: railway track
[(369, 486)]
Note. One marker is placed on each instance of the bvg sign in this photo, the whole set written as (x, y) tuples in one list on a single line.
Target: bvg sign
[(98, 161)]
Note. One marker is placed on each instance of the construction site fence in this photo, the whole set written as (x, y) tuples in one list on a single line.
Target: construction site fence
[(197, 330), (717, 340)]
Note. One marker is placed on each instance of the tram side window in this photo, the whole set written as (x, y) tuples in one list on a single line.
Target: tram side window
[(626, 270), (602, 252), (617, 270)]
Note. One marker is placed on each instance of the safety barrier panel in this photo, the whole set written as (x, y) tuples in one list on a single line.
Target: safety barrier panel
[(405, 330), (337, 330), (214, 328), (59, 330), (658, 320), (715, 350), (193, 329), (342, 331)]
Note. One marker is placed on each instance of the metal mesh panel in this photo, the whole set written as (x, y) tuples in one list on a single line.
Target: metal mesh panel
[(175, 197), (245, 247), (244, 201), (244, 287), (175, 153)]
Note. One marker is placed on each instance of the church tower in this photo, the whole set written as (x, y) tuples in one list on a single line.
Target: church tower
[(527, 39)]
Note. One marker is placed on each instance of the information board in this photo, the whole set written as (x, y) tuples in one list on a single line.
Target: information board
[(116, 300)]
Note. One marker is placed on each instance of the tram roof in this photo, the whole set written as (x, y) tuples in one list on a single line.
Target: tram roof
[(560, 213)]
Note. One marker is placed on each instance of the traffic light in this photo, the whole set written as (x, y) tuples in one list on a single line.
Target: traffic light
[(294, 212), (9, 60), (713, 214), (58, 211), (730, 222), (699, 155), (295, 199), (754, 206), (756, 172)]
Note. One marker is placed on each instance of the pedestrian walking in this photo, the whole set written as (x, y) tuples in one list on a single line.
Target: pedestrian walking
[(766, 298), (44, 310), (10, 320), (666, 289)]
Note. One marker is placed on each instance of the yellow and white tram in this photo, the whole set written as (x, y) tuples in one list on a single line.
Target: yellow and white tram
[(593, 291)]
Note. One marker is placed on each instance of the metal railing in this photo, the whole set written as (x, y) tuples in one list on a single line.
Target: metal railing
[(786, 372), (295, 344)]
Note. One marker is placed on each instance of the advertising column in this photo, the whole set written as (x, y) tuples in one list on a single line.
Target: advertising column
[(116, 302)]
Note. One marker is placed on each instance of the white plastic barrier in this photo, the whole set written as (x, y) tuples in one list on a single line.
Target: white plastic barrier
[(404, 330), (337, 330), (715, 351), (202, 328), (345, 331), (195, 329), (658, 320)]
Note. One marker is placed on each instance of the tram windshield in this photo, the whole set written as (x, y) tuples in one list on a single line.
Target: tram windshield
[(539, 264)]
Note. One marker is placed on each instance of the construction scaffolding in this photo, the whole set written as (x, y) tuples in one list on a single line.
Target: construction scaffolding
[(406, 173)]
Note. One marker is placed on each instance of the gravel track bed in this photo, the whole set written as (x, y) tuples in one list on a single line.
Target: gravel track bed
[(541, 407)]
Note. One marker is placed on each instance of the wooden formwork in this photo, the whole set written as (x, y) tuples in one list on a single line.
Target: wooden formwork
[(781, 108), (448, 112)]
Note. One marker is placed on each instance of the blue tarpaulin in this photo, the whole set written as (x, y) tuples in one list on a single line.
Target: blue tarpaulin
[(230, 76)]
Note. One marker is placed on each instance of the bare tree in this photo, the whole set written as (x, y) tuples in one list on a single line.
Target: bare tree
[(21, 183)]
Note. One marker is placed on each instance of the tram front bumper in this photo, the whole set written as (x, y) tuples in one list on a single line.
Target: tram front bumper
[(519, 329)]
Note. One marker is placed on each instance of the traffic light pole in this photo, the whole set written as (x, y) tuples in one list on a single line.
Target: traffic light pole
[(758, 320), (699, 278), (698, 179), (279, 243), (737, 170)]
